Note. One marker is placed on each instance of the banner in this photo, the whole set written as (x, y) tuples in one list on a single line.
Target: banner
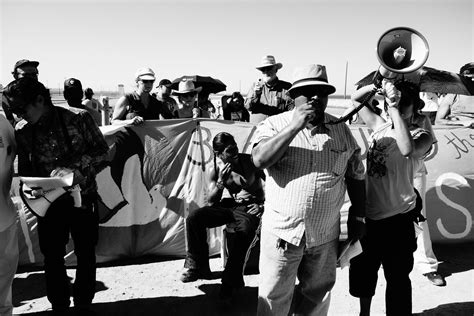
[(158, 172)]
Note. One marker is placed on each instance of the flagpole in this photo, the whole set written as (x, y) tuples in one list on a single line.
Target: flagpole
[(345, 81)]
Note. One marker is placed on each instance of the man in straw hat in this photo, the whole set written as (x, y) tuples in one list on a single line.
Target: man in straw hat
[(308, 165), (186, 94), (268, 95)]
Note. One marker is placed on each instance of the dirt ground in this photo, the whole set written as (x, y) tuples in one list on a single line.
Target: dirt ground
[(151, 286)]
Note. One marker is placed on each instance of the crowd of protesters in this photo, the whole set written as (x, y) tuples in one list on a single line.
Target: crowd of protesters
[(307, 164)]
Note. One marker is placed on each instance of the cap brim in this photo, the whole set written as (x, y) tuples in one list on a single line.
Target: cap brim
[(146, 77), (320, 85), (278, 65)]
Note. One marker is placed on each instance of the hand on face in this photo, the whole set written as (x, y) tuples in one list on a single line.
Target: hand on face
[(309, 110), (225, 172)]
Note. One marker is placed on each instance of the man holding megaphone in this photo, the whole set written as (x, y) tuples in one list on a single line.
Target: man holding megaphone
[(56, 141)]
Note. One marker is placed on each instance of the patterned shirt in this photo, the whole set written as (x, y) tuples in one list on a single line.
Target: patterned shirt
[(63, 137), (305, 189), (273, 100)]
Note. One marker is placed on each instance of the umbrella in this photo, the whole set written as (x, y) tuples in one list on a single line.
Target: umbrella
[(208, 84), (432, 80)]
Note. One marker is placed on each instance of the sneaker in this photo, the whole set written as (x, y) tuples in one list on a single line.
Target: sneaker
[(435, 278), (191, 275)]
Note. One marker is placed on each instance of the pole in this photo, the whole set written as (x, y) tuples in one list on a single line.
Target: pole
[(345, 81)]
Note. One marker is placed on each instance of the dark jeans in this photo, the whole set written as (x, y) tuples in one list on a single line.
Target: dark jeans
[(61, 220), (244, 225), (389, 242)]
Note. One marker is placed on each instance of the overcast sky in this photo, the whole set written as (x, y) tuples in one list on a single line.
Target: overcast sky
[(103, 42)]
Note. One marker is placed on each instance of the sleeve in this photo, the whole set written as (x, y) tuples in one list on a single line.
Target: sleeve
[(252, 100), (355, 166), (264, 130)]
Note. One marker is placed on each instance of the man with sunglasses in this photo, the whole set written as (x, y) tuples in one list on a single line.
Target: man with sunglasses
[(309, 163), (268, 96), (136, 107), (55, 141)]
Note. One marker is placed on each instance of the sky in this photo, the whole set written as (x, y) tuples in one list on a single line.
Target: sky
[(103, 42)]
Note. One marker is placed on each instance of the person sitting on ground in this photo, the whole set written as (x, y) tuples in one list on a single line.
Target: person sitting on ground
[(234, 108), (235, 172), (163, 92), (186, 94), (93, 106), (138, 106)]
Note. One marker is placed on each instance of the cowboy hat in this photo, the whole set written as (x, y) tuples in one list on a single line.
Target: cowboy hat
[(311, 75), (186, 86), (268, 61)]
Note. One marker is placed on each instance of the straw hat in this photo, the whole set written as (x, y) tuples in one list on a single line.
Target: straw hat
[(186, 86), (268, 61), (311, 75), (144, 74)]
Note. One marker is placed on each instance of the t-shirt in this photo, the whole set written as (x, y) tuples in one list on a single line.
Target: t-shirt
[(94, 107), (389, 179), (7, 156)]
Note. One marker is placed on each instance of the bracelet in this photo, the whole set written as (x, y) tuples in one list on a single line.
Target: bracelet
[(220, 185)]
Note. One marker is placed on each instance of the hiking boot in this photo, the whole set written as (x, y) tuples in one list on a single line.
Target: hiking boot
[(191, 275), (435, 278)]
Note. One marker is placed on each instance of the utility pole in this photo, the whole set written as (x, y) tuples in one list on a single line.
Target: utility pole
[(345, 81)]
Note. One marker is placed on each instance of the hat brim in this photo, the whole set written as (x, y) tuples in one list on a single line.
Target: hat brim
[(278, 65), (146, 77), (317, 84), (177, 92)]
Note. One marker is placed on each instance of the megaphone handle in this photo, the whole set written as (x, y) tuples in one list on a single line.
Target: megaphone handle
[(364, 102)]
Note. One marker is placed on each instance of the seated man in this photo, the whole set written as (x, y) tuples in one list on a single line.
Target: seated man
[(235, 172)]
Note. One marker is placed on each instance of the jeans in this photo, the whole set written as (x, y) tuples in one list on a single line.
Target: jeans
[(281, 263), (244, 225), (389, 242), (61, 220)]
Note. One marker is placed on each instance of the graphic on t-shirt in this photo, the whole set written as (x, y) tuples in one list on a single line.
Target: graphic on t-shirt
[(376, 160)]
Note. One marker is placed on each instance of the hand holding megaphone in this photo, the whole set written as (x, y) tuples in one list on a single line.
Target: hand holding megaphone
[(258, 86)]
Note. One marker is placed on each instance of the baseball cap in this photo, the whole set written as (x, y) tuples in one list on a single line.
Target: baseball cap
[(72, 84), (165, 82), (25, 62)]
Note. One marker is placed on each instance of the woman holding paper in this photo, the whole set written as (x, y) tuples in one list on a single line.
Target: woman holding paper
[(396, 147)]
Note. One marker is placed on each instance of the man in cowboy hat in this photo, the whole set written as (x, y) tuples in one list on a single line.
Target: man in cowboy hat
[(308, 165), (186, 93), (268, 96)]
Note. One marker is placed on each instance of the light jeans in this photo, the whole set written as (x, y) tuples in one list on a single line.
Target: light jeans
[(8, 265), (425, 259), (281, 263)]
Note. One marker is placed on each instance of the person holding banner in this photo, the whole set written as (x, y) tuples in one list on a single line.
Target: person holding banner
[(309, 164), (136, 107), (8, 228), (236, 173), (58, 141), (396, 152)]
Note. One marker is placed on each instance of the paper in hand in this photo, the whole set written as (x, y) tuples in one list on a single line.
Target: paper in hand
[(347, 251)]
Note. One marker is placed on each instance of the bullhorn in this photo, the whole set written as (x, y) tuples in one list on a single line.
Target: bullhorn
[(400, 50)]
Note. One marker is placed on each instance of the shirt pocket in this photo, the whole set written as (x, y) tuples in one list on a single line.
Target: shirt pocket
[(338, 160)]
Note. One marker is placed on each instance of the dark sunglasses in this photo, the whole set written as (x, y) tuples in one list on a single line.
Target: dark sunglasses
[(148, 81)]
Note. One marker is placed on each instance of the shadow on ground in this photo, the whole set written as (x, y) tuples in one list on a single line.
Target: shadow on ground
[(458, 309), (206, 304)]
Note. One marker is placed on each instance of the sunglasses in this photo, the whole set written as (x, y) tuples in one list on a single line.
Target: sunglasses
[(148, 81), (188, 95)]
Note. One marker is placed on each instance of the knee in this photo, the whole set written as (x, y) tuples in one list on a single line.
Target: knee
[(195, 216)]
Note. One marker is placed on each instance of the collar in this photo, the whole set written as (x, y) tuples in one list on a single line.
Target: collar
[(273, 84), (319, 129)]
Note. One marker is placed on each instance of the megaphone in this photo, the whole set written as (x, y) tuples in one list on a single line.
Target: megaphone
[(401, 50)]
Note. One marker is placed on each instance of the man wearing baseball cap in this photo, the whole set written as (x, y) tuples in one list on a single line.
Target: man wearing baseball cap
[(268, 95), (136, 107), (309, 164), (163, 92)]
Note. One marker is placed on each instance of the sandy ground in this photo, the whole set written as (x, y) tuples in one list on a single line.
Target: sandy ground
[(151, 286)]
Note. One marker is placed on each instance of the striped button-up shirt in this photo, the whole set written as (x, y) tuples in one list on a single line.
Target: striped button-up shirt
[(305, 189)]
